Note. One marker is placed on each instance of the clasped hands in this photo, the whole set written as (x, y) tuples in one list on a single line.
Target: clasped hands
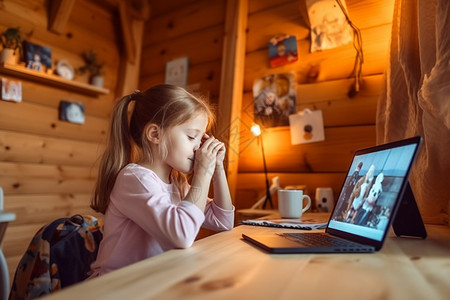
[(209, 155)]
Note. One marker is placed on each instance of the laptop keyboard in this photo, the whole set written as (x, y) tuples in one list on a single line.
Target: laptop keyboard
[(318, 240)]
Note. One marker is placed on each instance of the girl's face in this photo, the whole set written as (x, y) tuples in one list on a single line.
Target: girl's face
[(182, 142)]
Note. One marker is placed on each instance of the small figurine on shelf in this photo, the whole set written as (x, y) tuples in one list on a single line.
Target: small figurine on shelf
[(11, 40), (93, 67)]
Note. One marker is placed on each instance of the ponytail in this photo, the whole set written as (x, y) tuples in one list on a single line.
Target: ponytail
[(116, 156)]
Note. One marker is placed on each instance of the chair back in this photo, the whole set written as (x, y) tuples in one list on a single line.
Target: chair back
[(5, 218), (1, 199)]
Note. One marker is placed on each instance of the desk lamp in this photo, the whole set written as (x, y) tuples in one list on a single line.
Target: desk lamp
[(256, 130)]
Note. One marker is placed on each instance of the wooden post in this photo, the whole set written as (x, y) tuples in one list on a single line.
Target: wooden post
[(231, 85)]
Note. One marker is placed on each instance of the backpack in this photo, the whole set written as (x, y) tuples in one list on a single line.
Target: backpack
[(59, 255)]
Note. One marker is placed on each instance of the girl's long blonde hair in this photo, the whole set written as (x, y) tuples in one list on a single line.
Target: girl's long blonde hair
[(164, 105)]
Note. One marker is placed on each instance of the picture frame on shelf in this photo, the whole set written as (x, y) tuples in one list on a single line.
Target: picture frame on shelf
[(37, 57), (65, 69)]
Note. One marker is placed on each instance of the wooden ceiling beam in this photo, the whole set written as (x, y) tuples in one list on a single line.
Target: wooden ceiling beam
[(127, 34), (59, 13), (137, 9)]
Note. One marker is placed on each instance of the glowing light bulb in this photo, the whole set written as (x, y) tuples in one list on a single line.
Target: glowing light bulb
[(256, 130)]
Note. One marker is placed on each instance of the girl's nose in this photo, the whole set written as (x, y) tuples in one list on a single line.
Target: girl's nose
[(197, 145)]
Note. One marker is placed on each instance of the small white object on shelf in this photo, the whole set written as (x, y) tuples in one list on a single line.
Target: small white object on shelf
[(65, 69)]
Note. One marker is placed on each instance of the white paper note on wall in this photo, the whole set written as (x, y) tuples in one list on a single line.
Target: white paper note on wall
[(306, 127), (177, 71)]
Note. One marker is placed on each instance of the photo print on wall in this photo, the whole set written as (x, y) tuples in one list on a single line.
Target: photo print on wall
[(329, 27), (274, 98), (11, 90), (72, 112), (282, 50)]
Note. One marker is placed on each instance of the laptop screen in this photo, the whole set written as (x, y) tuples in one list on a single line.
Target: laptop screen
[(374, 182)]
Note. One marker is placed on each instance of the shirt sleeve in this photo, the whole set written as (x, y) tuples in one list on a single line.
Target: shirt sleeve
[(143, 198), (217, 218)]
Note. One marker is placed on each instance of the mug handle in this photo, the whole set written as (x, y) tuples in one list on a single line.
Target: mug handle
[(307, 205)]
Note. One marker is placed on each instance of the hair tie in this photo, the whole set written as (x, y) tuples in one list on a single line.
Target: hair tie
[(132, 96)]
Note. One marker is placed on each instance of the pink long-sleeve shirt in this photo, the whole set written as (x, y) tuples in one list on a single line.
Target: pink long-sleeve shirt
[(146, 217)]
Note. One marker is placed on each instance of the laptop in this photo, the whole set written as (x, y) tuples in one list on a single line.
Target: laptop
[(371, 194)]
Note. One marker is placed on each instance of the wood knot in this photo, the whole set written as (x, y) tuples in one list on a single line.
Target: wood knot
[(313, 72)]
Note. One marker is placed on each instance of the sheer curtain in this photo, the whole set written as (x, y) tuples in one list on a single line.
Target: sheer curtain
[(416, 100)]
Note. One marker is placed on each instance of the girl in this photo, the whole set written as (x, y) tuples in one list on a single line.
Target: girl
[(149, 207)]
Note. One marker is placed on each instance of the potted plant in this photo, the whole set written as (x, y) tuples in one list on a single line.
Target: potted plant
[(11, 40), (93, 67)]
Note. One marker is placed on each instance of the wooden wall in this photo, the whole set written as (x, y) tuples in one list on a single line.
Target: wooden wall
[(47, 166), (185, 28), (195, 29), (322, 83)]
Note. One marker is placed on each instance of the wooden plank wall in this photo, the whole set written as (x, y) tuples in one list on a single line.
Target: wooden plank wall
[(322, 83), (182, 28), (195, 29), (48, 167)]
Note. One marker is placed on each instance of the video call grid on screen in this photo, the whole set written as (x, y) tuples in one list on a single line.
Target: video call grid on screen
[(372, 221)]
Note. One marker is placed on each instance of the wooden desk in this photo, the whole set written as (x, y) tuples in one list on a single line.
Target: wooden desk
[(223, 266)]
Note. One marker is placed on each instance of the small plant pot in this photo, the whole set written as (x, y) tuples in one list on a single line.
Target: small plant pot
[(98, 80), (7, 56)]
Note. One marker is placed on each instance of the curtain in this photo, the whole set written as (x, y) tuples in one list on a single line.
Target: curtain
[(416, 99)]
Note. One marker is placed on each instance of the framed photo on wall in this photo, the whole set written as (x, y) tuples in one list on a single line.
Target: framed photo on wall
[(11, 90), (72, 112)]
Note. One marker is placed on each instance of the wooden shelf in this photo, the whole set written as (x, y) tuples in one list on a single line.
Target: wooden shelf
[(52, 80)]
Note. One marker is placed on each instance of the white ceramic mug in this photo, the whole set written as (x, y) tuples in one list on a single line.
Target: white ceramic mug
[(290, 203)]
